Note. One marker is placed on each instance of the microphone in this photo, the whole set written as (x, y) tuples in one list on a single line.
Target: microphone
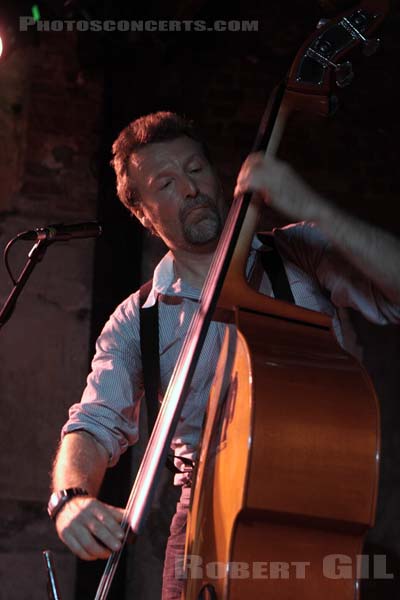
[(62, 233)]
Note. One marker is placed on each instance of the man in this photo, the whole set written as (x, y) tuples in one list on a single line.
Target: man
[(166, 180)]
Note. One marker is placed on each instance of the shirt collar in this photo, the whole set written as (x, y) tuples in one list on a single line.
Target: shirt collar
[(166, 282)]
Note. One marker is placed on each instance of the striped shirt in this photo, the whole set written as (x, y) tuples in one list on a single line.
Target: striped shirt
[(320, 279)]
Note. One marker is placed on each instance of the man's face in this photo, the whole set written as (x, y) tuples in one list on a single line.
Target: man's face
[(180, 195)]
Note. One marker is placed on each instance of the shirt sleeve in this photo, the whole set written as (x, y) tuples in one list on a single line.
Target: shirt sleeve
[(307, 247), (110, 404)]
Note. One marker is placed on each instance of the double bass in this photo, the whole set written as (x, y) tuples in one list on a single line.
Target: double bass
[(287, 472), (286, 476)]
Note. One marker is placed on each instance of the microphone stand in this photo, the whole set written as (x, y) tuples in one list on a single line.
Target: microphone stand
[(35, 256)]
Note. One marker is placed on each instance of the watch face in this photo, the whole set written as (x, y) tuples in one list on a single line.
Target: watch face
[(54, 498)]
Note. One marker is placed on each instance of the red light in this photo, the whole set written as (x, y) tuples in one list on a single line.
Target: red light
[(1, 46)]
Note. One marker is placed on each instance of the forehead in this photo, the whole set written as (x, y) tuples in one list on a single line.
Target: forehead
[(151, 159)]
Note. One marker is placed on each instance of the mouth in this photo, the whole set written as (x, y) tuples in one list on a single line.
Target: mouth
[(198, 213), (202, 207), (192, 212)]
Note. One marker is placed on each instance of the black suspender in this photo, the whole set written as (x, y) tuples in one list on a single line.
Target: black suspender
[(149, 336), (149, 347), (273, 265)]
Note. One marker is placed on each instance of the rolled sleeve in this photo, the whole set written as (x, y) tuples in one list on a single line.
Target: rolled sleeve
[(351, 289), (307, 247), (110, 404)]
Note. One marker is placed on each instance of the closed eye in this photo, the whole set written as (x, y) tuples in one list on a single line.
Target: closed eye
[(166, 184)]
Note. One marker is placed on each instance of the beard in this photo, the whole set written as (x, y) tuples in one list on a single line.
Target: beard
[(201, 220)]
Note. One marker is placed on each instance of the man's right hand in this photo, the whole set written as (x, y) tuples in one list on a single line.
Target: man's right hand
[(90, 528)]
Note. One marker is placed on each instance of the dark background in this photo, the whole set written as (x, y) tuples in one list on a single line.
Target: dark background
[(64, 97)]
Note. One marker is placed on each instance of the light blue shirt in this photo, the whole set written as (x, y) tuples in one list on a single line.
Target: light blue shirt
[(320, 279)]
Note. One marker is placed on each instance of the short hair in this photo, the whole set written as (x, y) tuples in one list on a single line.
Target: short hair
[(162, 126)]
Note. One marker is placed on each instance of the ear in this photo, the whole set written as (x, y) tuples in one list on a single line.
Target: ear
[(139, 214)]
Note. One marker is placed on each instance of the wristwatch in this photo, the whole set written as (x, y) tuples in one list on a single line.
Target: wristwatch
[(59, 499)]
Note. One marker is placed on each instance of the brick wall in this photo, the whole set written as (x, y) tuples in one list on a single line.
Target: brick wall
[(50, 125)]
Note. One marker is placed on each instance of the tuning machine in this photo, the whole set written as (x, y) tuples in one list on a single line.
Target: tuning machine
[(343, 71), (370, 45)]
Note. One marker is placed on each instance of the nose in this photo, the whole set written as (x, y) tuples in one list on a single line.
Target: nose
[(189, 186)]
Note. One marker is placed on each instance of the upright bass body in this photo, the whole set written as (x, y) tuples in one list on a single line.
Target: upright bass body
[(285, 486)]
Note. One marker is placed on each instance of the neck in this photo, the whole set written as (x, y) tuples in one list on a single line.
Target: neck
[(192, 268)]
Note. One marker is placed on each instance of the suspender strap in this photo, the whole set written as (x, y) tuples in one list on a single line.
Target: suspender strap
[(274, 267), (149, 347)]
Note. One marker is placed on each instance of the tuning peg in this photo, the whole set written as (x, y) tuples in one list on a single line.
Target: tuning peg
[(344, 74), (322, 22), (371, 46)]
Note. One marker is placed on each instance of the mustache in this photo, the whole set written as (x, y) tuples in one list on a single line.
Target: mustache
[(200, 201)]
